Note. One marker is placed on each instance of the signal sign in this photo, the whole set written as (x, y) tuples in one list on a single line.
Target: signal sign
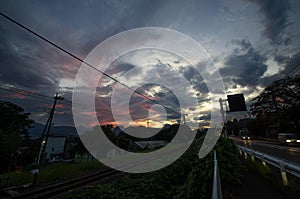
[(236, 102)]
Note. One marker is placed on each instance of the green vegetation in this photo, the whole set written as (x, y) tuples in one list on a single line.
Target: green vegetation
[(188, 177), (14, 125), (277, 108), (51, 173), (263, 170), (273, 176)]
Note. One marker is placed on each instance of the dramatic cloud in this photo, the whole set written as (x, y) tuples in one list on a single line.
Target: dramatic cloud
[(244, 66), (195, 79), (164, 97), (289, 64), (28, 63), (275, 19)]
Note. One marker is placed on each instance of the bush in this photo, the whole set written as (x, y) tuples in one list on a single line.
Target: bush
[(188, 177)]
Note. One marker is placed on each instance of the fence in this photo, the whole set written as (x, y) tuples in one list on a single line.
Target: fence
[(283, 165), (217, 189)]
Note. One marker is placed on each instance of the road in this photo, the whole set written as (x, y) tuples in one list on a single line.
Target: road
[(288, 153)]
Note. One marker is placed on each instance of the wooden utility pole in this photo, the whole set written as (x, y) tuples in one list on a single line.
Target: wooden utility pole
[(44, 138)]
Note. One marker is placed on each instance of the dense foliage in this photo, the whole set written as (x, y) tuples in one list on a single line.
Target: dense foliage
[(281, 95), (277, 107), (14, 124), (188, 177)]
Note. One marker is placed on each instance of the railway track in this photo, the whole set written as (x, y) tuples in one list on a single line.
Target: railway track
[(65, 186), (62, 187)]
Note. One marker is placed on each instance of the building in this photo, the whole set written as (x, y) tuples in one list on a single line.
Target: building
[(55, 149), (142, 145)]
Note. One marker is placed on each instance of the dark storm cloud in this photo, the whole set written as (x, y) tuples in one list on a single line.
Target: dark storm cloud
[(288, 64), (166, 98), (104, 90), (192, 108), (134, 11), (156, 12), (266, 81), (204, 117), (76, 27), (39, 107), (163, 97), (245, 65), (194, 78), (30, 64), (170, 100), (276, 18), (19, 65), (191, 74), (121, 69)]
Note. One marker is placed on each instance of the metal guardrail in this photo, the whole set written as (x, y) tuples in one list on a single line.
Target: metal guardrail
[(282, 164), (217, 189)]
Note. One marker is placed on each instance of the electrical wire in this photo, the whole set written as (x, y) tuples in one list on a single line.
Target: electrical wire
[(48, 98), (82, 61)]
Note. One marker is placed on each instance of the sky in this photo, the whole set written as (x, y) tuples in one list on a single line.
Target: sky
[(251, 42)]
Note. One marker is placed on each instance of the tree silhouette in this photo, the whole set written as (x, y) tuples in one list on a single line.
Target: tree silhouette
[(14, 125), (279, 105)]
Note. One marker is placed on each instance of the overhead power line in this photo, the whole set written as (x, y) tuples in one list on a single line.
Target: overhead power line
[(26, 93), (48, 98), (36, 95), (82, 61)]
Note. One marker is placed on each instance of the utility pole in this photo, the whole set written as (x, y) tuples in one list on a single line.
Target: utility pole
[(44, 138), (51, 118), (222, 108), (148, 122), (183, 118), (223, 113)]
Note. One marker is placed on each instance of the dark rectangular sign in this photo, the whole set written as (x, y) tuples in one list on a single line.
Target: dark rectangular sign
[(236, 102)]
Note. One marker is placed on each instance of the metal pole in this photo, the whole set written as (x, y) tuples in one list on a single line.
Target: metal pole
[(223, 114), (222, 109), (217, 189), (283, 173)]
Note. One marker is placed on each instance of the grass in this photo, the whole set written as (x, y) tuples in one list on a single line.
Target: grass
[(50, 173), (187, 177), (273, 175)]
